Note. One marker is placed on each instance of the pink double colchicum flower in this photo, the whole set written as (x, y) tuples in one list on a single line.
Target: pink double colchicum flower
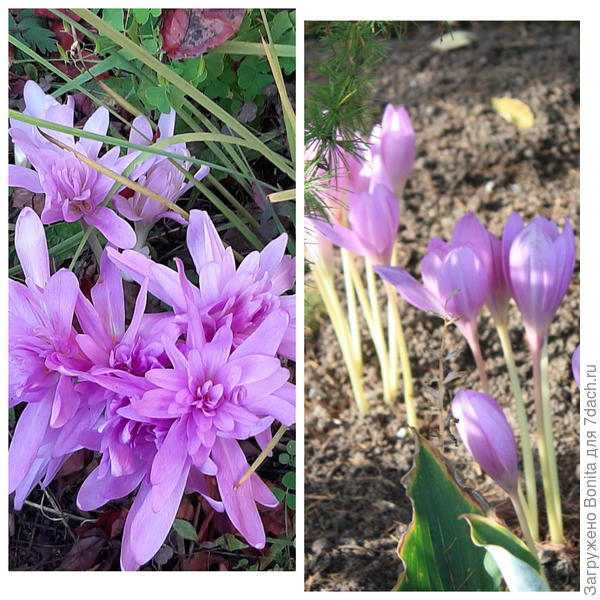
[(175, 414), (158, 174), (167, 399), (73, 191), (43, 356), (538, 265), (240, 298)]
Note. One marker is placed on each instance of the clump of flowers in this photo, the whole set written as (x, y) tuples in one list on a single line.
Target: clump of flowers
[(361, 195), (167, 398)]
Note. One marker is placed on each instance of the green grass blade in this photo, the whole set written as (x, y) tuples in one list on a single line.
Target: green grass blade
[(186, 88)]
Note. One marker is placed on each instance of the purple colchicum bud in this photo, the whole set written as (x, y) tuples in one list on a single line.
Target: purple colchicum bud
[(487, 435), (373, 219), (470, 231), (538, 264), (575, 366), (398, 146)]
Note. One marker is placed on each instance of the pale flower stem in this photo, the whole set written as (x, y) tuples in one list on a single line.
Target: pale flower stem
[(476, 349), (524, 524), (530, 506), (389, 389), (352, 308), (361, 294), (342, 332), (407, 381), (392, 323), (554, 515), (553, 467)]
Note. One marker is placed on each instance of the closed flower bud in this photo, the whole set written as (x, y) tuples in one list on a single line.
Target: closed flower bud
[(487, 435)]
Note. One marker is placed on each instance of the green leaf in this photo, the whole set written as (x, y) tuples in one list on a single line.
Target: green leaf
[(519, 567), (281, 23), (185, 529), (31, 71), (291, 448), (278, 493), (289, 480), (230, 542), (437, 550), (141, 15), (284, 459), (114, 18), (38, 37), (157, 97), (290, 501)]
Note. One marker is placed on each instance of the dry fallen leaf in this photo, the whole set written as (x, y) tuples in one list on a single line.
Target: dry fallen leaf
[(453, 40), (514, 111)]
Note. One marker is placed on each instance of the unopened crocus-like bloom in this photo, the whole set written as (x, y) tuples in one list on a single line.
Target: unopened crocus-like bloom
[(162, 177), (398, 147), (575, 365), (487, 435), (455, 284), (72, 189), (470, 231), (373, 221), (241, 298), (43, 356), (538, 265)]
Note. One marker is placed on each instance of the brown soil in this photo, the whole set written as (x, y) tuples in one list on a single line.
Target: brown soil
[(468, 158)]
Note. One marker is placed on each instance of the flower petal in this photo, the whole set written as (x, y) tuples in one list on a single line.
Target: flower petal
[(117, 231), (30, 244)]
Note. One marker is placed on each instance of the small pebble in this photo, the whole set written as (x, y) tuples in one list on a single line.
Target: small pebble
[(489, 186), (401, 433)]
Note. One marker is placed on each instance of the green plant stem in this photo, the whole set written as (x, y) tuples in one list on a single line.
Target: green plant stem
[(530, 506), (336, 314), (389, 381), (524, 523), (553, 467), (544, 441), (352, 308), (79, 250), (397, 333), (93, 241)]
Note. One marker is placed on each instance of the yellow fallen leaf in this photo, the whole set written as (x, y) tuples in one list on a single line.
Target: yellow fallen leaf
[(514, 111), (453, 40)]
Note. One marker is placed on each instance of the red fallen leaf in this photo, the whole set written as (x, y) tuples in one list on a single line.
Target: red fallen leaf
[(185, 510), (83, 554), (73, 464), (112, 522), (189, 32), (44, 12), (274, 519)]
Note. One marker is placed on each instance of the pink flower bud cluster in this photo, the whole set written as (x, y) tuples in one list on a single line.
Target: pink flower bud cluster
[(363, 192)]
